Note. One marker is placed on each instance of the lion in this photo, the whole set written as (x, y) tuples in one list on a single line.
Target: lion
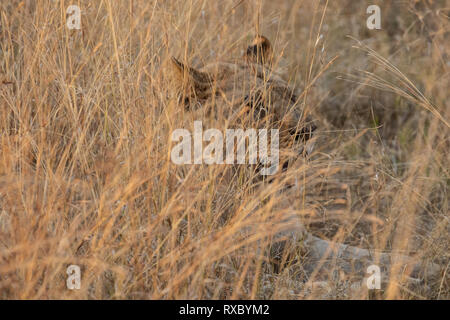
[(248, 92)]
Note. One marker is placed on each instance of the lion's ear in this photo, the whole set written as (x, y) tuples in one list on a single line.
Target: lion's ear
[(260, 51), (189, 81)]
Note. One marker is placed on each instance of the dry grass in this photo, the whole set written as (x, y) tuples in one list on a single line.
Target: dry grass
[(85, 173)]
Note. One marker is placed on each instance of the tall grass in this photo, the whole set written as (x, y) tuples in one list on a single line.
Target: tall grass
[(85, 170)]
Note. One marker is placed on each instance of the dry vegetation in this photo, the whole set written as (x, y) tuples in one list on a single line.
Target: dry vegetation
[(86, 177)]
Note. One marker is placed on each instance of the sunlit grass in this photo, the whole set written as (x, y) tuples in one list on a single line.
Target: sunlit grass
[(85, 170)]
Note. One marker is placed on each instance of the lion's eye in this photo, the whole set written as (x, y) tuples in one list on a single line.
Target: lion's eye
[(304, 134), (256, 103)]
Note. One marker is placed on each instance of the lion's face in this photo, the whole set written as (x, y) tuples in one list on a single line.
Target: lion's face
[(247, 93)]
